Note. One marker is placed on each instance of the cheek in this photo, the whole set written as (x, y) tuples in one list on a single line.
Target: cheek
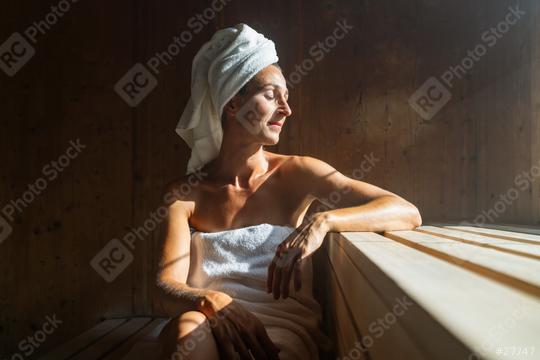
[(264, 109)]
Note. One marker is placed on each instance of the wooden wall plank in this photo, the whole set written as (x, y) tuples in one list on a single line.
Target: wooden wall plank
[(452, 167), (504, 114), (64, 93), (534, 37)]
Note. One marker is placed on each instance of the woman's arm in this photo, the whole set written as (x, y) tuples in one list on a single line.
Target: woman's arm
[(176, 296), (234, 328), (356, 205)]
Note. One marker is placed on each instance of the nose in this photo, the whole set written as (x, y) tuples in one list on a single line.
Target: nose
[(284, 106)]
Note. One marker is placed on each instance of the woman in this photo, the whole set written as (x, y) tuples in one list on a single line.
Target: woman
[(237, 186)]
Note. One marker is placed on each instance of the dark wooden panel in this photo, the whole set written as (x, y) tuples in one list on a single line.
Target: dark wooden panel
[(353, 103), (63, 93)]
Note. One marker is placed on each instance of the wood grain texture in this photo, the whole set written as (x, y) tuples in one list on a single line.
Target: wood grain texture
[(352, 103), (455, 307), (81, 342), (357, 296)]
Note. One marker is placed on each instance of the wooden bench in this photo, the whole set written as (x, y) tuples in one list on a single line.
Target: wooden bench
[(441, 291), (112, 339)]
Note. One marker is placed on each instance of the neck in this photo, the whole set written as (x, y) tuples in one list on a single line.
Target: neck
[(240, 164)]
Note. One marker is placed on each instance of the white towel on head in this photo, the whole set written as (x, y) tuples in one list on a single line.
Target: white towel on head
[(220, 69)]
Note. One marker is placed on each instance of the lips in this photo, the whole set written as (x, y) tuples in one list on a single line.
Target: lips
[(275, 123)]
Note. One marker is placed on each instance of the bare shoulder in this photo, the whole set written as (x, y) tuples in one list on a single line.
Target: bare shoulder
[(308, 167), (183, 191)]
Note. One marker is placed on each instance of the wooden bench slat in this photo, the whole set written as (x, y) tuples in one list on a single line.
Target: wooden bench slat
[(367, 307), (517, 271), (84, 340), (468, 305), (113, 339), (517, 248), (529, 237), (137, 345), (511, 228)]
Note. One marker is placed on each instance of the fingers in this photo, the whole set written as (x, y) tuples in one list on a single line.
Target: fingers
[(240, 346), (284, 271), (271, 349), (283, 265), (224, 343), (286, 279), (270, 276), (276, 282), (242, 340), (229, 340), (297, 276), (256, 348)]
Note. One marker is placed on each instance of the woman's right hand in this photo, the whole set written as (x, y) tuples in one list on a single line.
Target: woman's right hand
[(235, 329)]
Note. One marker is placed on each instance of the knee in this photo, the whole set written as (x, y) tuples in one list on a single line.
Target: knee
[(188, 336), (193, 315), (182, 325), (189, 321)]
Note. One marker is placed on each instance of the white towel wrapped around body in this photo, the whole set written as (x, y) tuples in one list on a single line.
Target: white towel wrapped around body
[(236, 262)]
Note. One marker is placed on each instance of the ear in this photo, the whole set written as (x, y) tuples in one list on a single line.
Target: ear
[(232, 107)]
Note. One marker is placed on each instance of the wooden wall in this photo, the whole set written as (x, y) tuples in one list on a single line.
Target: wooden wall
[(353, 103)]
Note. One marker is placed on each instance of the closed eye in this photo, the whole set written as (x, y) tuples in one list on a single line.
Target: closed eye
[(271, 94)]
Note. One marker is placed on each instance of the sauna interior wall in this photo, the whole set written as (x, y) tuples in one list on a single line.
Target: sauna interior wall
[(351, 106)]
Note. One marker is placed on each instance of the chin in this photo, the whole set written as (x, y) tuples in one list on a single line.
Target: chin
[(270, 139), (271, 142)]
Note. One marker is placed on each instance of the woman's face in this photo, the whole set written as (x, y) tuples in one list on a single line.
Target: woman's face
[(263, 109)]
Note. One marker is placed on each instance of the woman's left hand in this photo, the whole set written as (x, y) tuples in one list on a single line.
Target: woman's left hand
[(301, 243)]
